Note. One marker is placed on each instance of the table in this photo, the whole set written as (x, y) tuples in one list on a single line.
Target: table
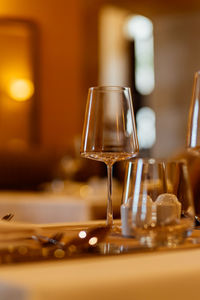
[(46, 207), (153, 275)]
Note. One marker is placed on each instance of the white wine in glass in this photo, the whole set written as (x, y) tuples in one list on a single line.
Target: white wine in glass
[(109, 132)]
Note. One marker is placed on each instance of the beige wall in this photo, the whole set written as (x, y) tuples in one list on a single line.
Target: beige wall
[(177, 58)]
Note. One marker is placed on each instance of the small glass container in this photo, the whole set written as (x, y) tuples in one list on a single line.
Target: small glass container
[(157, 204)]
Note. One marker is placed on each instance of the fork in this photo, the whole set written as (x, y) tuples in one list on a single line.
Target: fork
[(90, 239), (7, 217), (46, 241)]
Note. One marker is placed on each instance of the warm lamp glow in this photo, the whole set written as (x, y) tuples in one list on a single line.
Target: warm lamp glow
[(82, 234), (93, 240), (21, 89)]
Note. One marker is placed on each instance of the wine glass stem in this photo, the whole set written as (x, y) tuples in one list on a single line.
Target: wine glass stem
[(109, 206)]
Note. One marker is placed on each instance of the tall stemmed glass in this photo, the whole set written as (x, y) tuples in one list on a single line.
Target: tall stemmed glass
[(109, 132), (193, 144)]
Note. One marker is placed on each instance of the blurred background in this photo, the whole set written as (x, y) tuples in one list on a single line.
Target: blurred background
[(52, 51)]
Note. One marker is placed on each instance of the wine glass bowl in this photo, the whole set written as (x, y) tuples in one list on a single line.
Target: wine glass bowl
[(109, 131), (157, 202)]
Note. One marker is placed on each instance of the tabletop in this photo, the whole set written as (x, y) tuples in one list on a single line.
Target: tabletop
[(141, 275)]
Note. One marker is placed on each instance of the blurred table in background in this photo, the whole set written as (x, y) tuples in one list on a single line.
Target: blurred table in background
[(62, 202)]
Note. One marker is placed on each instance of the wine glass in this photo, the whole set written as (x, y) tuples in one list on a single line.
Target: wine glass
[(157, 202), (109, 132), (193, 144)]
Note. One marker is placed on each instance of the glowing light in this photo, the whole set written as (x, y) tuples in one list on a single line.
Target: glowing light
[(146, 128), (137, 187), (93, 241), (140, 29), (21, 89), (82, 234)]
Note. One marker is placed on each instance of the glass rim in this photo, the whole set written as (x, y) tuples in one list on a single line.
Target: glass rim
[(153, 161), (109, 88), (144, 160)]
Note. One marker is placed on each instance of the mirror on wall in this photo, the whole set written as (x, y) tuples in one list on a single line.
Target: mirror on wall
[(18, 83)]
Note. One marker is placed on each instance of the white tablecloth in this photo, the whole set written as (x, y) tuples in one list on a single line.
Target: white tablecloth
[(48, 207), (44, 207), (161, 275)]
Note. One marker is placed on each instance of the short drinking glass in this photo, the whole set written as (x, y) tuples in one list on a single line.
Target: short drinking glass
[(157, 202)]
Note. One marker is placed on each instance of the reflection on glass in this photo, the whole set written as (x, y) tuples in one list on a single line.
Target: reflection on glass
[(193, 134)]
